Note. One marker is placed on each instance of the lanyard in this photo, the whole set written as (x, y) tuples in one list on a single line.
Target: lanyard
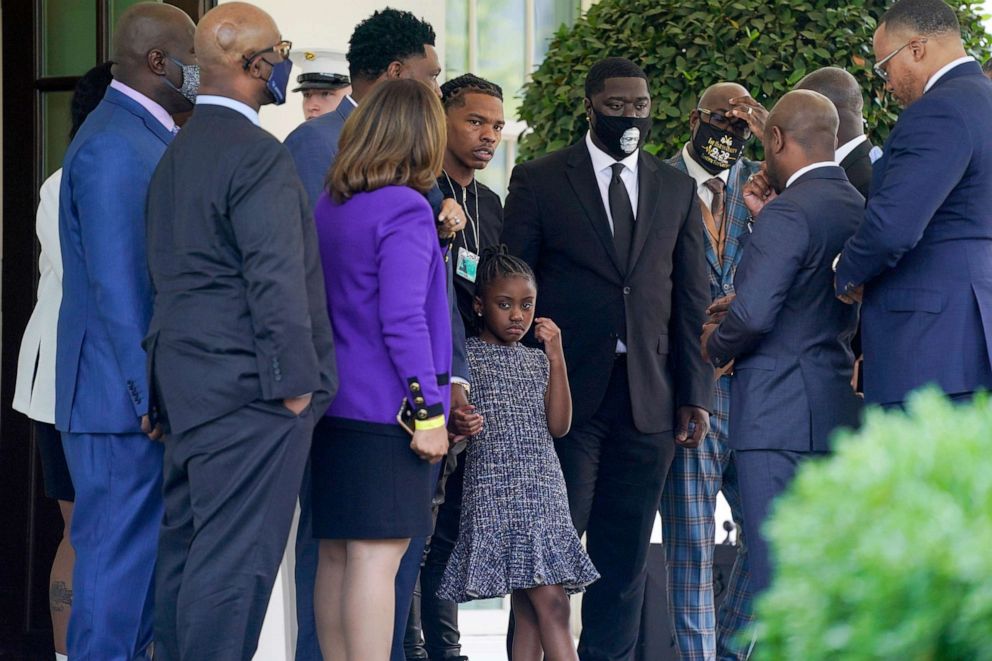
[(472, 222)]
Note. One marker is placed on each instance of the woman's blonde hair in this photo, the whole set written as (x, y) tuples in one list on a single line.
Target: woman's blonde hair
[(396, 137)]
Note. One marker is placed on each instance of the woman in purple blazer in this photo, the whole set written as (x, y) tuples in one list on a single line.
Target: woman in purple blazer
[(387, 297)]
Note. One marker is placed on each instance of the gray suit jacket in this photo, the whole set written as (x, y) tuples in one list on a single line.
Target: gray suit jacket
[(240, 312), (790, 336)]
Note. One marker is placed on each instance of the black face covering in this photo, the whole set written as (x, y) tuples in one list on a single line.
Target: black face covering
[(716, 149), (621, 136)]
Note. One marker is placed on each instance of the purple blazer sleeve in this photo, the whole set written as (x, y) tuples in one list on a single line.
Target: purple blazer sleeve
[(406, 254)]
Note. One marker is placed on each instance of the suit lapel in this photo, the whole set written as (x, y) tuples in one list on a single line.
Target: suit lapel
[(679, 164), (648, 191), (582, 178), (136, 109), (856, 154), (737, 213)]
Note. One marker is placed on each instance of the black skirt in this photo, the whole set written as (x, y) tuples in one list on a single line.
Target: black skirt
[(367, 483)]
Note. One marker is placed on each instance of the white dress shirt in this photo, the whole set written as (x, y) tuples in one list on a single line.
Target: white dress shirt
[(812, 166), (944, 69), (701, 176), (233, 104), (602, 164), (34, 390), (848, 147)]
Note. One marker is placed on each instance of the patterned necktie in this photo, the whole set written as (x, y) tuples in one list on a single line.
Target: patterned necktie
[(623, 216), (717, 230)]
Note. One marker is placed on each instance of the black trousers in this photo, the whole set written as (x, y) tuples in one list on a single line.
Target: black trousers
[(230, 490), (614, 475)]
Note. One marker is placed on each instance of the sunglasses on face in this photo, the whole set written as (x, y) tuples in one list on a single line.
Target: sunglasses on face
[(721, 121), (281, 49)]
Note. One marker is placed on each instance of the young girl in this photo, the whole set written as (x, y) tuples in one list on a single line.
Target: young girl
[(516, 535)]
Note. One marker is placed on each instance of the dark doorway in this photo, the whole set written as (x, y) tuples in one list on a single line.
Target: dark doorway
[(47, 45)]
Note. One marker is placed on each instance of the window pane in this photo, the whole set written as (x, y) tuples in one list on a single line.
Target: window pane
[(56, 120), (549, 15), (68, 35), (501, 48), (455, 38)]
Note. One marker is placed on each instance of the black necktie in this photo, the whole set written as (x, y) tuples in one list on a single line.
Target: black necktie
[(623, 216)]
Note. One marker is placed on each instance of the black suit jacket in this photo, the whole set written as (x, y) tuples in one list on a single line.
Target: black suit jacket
[(857, 167), (240, 312), (555, 220)]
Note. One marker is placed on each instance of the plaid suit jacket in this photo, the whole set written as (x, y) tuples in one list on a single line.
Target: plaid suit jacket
[(722, 275)]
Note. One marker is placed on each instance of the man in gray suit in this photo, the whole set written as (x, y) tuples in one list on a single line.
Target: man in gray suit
[(789, 338), (240, 346)]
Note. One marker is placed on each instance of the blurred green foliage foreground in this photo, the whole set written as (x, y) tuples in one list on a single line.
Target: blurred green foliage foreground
[(884, 551)]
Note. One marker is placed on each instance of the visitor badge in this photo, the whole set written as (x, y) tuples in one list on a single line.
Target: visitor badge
[(467, 265)]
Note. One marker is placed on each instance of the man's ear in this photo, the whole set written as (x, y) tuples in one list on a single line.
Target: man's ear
[(919, 48), (394, 69), (693, 120), (777, 142), (587, 105), (155, 59)]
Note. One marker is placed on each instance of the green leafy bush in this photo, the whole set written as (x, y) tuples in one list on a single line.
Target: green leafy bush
[(884, 551), (686, 45)]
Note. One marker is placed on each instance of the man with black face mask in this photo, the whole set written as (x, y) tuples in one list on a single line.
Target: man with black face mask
[(713, 158), (617, 245), (240, 344)]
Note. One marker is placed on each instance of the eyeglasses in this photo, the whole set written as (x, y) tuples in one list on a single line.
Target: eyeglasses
[(727, 123), (879, 67), (281, 49)]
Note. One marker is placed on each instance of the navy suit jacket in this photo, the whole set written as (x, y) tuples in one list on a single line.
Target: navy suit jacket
[(924, 250), (100, 379), (789, 335), (314, 146)]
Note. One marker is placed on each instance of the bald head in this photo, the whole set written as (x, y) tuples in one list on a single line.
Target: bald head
[(718, 96), (231, 31), (844, 92), (801, 130), (809, 119), (147, 26), (149, 39)]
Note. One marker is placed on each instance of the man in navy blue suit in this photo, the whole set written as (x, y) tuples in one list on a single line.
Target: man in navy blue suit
[(787, 335), (922, 258), (101, 383), (388, 44)]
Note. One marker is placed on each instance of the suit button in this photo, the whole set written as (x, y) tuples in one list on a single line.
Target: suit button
[(626, 291), (726, 287), (419, 401), (421, 414), (414, 387)]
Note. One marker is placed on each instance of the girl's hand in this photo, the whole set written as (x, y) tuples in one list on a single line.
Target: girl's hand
[(548, 334), (464, 422), (430, 445)]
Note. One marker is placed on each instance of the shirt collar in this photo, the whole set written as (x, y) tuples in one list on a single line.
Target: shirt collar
[(233, 104), (812, 166), (156, 111), (698, 172), (944, 69), (849, 146), (603, 161)]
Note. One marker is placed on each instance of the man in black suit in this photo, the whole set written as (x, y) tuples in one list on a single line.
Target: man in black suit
[(616, 241), (240, 345), (787, 335), (854, 151)]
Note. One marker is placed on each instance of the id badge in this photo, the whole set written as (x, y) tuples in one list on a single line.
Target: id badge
[(467, 265)]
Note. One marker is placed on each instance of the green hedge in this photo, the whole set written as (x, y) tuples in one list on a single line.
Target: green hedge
[(884, 551), (686, 45)]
